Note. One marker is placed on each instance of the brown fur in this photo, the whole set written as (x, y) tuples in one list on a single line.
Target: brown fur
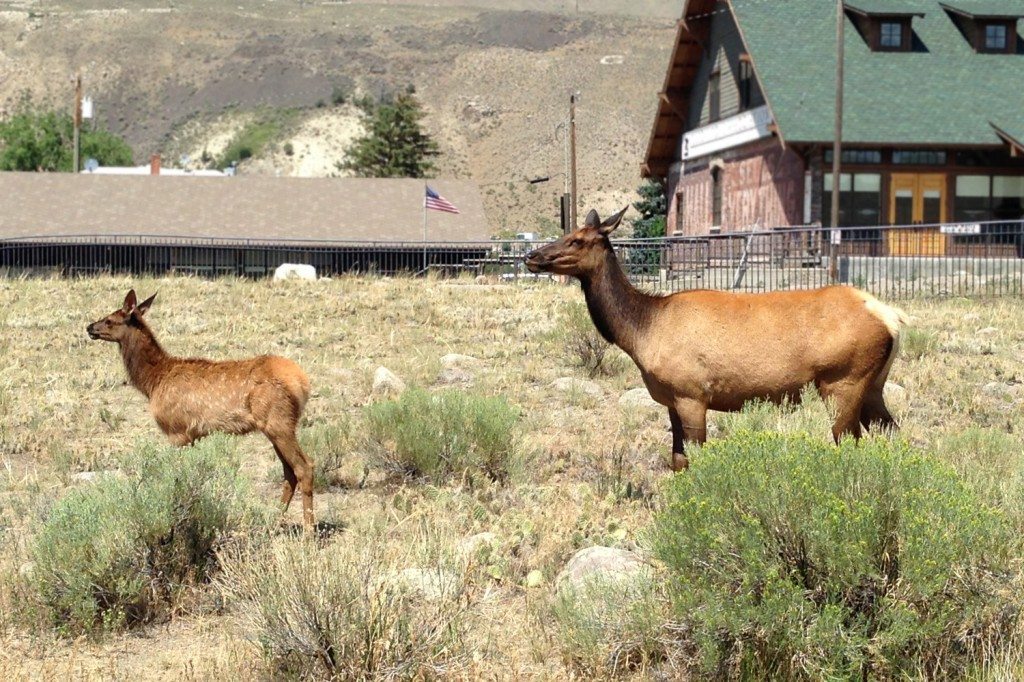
[(190, 397), (701, 350)]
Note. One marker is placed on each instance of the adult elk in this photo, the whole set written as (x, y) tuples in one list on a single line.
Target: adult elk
[(192, 397), (701, 350)]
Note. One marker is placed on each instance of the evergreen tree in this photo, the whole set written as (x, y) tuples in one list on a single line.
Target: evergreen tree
[(33, 140), (394, 146), (652, 210)]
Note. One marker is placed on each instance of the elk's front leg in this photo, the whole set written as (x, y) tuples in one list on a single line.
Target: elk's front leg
[(689, 425), (679, 461)]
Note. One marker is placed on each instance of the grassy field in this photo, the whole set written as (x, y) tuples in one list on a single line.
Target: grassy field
[(65, 409)]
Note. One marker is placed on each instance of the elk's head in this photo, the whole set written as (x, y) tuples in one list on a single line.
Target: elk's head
[(579, 252), (115, 326)]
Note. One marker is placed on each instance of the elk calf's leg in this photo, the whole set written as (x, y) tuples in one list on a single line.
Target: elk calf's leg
[(290, 480)]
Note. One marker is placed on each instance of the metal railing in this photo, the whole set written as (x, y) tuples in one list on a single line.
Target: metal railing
[(894, 262)]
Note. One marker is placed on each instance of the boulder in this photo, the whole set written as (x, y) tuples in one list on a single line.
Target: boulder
[(601, 565), (454, 375), (475, 545), (457, 360), (386, 382), (637, 397), (429, 584), (570, 384), (295, 271), (894, 394)]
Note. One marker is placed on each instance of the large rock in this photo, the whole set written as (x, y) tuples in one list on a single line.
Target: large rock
[(295, 271), (429, 584), (601, 565), (638, 397), (386, 382), (571, 384), (894, 394), (457, 360), (454, 374), (475, 545)]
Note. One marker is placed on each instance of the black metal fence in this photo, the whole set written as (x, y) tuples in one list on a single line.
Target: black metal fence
[(894, 262)]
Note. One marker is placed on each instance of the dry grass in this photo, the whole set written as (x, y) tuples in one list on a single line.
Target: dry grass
[(64, 407)]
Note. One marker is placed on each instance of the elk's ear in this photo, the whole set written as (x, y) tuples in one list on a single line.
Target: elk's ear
[(611, 223), (144, 306), (593, 220), (129, 302)]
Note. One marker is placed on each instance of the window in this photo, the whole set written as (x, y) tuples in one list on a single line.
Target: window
[(982, 197), (919, 157), (860, 199), (715, 97), (891, 35), (854, 156), (716, 197), (995, 37), (746, 85)]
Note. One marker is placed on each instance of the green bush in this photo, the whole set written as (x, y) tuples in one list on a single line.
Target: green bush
[(328, 445), (347, 611), (581, 345), (438, 435), (792, 558), (125, 549)]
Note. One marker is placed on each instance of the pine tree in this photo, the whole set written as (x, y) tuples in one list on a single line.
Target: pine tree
[(395, 145), (652, 210)]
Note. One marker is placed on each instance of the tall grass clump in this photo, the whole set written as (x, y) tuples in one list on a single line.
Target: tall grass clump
[(795, 559), (347, 611), (127, 550), (328, 445), (444, 434), (582, 346)]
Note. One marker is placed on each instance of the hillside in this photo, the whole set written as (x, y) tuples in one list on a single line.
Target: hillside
[(184, 78)]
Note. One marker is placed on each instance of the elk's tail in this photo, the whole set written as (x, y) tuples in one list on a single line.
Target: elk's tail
[(894, 320)]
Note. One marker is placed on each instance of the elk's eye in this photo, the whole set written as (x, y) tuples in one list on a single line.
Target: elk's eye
[(576, 242)]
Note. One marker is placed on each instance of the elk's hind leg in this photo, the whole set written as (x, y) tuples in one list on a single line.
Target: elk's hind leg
[(290, 480), (292, 456), (848, 396), (874, 412)]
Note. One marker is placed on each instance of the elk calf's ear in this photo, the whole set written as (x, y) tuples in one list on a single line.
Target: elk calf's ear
[(593, 220), (611, 223), (129, 301), (144, 306)]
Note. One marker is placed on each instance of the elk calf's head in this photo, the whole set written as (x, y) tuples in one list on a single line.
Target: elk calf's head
[(116, 325), (578, 253)]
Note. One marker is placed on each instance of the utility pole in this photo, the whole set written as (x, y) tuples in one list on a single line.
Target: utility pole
[(837, 144), (78, 124), (572, 167)]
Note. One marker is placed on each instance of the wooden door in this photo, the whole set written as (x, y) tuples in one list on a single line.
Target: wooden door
[(917, 199)]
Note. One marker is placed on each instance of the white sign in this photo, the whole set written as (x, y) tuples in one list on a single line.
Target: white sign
[(961, 228), (87, 107), (836, 237), (729, 132)]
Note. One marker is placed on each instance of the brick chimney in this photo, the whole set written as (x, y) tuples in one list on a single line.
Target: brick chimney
[(154, 164)]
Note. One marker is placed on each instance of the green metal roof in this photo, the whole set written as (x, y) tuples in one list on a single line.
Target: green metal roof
[(987, 8), (942, 93), (890, 7)]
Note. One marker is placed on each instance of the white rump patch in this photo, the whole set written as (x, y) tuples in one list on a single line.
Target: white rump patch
[(893, 318)]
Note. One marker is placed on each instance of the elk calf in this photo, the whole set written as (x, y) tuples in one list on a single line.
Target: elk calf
[(701, 350), (192, 397)]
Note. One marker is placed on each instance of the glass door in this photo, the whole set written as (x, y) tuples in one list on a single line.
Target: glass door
[(917, 199)]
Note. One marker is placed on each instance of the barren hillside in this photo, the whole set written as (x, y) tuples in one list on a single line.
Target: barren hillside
[(181, 78)]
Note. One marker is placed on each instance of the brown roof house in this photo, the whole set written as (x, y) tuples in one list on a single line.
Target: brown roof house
[(244, 225), (933, 117)]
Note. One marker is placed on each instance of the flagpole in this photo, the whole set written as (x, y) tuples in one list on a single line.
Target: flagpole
[(424, 229)]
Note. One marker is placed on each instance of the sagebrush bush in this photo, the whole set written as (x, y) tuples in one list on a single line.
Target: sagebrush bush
[(917, 343), (610, 627), (328, 445), (124, 549), (793, 558), (450, 432), (345, 611), (581, 345)]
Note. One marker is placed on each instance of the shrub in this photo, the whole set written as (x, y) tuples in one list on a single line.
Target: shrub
[(438, 435), (346, 612), (328, 445), (916, 343), (607, 627), (581, 345), (792, 558), (125, 549)]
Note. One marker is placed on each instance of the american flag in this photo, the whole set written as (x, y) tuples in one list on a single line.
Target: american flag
[(438, 202)]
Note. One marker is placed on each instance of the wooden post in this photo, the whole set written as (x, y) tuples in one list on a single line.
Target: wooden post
[(837, 143), (572, 168)]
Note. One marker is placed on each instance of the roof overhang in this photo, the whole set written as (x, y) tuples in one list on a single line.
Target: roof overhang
[(674, 98), (989, 13), (1015, 144), (868, 10)]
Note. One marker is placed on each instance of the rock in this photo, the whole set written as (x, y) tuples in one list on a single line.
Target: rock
[(987, 331), (27, 569), (456, 360), (971, 317), (295, 271), (894, 393), (569, 384), (637, 397), (386, 382), (601, 564), (93, 476), (454, 375), (534, 578), (429, 584), (475, 545)]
